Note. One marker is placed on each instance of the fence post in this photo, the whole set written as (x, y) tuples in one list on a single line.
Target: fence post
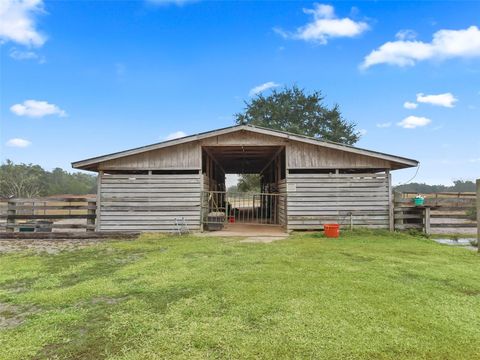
[(478, 215), (11, 211), (396, 198), (427, 221), (91, 221)]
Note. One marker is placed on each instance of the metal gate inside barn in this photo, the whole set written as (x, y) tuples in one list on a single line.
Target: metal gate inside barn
[(220, 207)]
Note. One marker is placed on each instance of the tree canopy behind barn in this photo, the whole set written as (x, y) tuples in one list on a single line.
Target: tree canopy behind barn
[(293, 110)]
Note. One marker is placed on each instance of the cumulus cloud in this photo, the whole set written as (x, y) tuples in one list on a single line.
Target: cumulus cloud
[(263, 87), (445, 100), (384, 125), (411, 122), (175, 135), (19, 143), (325, 25), (410, 105), (17, 22), (445, 44), (35, 108)]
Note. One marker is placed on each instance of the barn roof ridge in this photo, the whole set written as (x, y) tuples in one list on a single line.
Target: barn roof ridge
[(258, 129)]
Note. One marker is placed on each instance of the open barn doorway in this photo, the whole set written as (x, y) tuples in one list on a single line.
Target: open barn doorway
[(264, 204)]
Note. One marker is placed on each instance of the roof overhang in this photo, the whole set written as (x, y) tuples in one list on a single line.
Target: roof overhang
[(92, 163)]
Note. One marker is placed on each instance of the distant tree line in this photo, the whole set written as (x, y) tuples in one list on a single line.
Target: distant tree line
[(458, 186), (29, 180)]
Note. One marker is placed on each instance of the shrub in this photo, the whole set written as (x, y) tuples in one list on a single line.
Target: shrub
[(472, 213)]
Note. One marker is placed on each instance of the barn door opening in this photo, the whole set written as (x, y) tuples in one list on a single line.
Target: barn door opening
[(220, 208), (264, 204)]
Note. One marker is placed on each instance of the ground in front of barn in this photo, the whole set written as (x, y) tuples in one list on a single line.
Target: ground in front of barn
[(365, 295)]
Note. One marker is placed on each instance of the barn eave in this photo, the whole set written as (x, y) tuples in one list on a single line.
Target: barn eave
[(396, 162)]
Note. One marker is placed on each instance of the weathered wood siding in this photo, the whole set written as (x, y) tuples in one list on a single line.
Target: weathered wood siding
[(184, 156), (307, 156), (282, 204), (149, 202), (317, 199), (245, 138)]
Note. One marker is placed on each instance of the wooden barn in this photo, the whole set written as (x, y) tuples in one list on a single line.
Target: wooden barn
[(305, 183)]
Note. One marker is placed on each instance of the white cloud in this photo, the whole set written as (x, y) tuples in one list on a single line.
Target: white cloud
[(445, 44), (17, 22), (17, 142), (411, 122), (477, 160), (406, 34), (325, 25), (35, 108), (445, 100), (384, 125), (175, 135), (410, 105), (263, 87), (25, 55)]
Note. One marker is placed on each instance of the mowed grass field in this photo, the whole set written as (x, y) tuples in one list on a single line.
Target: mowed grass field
[(364, 296)]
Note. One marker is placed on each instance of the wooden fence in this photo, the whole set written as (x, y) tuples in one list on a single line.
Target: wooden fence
[(446, 212), (47, 214), (442, 213)]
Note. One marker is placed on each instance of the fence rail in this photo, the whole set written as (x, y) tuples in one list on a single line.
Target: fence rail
[(442, 212), (46, 214)]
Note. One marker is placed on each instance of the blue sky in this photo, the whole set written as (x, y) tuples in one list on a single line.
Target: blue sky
[(84, 78)]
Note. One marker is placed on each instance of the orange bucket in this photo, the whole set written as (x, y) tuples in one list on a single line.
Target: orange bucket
[(331, 230)]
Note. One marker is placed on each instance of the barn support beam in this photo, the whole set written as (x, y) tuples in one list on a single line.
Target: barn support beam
[(391, 211), (99, 201)]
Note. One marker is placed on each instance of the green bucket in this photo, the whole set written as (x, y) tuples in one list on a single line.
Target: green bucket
[(26, 229), (419, 201)]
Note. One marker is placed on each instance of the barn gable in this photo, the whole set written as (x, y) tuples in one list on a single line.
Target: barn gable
[(302, 152)]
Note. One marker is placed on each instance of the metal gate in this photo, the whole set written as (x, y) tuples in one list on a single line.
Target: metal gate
[(220, 207)]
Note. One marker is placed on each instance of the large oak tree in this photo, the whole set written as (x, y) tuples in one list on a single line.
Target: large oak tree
[(293, 110)]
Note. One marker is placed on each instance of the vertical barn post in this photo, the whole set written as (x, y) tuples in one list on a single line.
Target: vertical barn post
[(202, 187), (478, 215), (11, 211), (99, 201), (391, 212)]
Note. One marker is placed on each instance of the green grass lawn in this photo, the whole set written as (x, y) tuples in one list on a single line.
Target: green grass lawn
[(363, 296)]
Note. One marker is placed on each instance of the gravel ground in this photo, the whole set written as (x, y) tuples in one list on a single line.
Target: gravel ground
[(46, 246)]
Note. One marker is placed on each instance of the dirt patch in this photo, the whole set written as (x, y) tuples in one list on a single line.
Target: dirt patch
[(107, 300), (45, 246), (263, 239), (13, 315)]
